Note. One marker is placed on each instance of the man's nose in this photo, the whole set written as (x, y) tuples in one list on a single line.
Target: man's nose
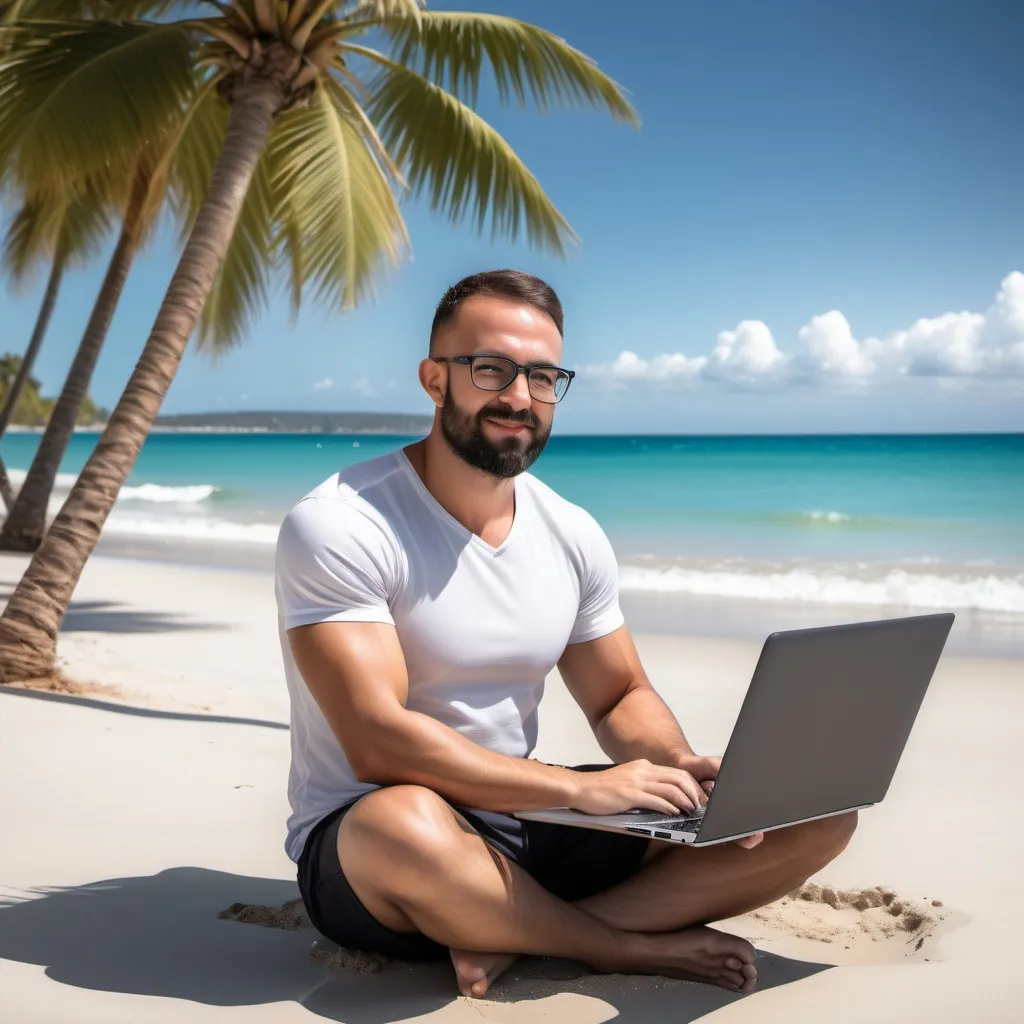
[(517, 394)]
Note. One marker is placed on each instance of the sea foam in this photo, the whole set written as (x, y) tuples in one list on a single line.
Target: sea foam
[(187, 494), (200, 528), (891, 587)]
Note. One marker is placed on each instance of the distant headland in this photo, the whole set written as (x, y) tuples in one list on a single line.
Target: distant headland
[(295, 422)]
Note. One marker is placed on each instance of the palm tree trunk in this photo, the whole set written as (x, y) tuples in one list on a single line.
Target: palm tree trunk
[(25, 526), (29, 625), (35, 342)]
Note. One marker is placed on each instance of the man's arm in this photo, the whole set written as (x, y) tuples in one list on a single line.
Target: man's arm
[(356, 673), (628, 717)]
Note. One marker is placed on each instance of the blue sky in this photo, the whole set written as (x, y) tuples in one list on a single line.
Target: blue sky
[(796, 159)]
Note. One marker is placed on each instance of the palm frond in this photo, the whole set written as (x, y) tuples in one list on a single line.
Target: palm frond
[(240, 291), (66, 108), (339, 213), (451, 47), (379, 10), (109, 10), (31, 235), (87, 223), (450, 153), (191, 152), (46, 224)]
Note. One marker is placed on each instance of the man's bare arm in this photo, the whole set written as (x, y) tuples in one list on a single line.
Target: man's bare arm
[(356, 673), (628, 717)]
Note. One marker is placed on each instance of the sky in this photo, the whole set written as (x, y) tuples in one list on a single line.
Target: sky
[(818, 227)]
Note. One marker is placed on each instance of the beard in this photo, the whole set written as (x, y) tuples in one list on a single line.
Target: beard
[(510, 457)]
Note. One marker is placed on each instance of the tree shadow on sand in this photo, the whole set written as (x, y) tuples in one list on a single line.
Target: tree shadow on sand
[(112, 617), (160, 935)]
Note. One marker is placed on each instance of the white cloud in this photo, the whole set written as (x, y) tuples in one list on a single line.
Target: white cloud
[(324, 384), (950, 346), (744, 356), (363, 387)]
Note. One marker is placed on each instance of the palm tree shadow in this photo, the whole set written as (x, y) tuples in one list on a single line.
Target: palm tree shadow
[(160, 935), (110, 617)]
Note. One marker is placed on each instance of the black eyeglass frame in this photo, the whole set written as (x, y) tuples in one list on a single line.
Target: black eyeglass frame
[(525, 370)]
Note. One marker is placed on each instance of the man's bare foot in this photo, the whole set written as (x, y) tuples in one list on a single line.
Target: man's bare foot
[(476, 972), (696, 954)]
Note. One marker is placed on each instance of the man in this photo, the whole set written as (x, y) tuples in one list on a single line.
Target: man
[(424, 597)]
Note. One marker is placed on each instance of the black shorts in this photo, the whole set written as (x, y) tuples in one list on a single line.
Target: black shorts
[(569, 862)]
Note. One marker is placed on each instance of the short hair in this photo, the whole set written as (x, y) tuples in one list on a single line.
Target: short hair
[(506, 284)]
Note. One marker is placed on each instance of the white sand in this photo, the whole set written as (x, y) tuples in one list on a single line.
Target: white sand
[(129, 822)]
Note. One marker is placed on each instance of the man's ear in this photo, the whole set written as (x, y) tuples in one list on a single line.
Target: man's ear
[(432, 378)]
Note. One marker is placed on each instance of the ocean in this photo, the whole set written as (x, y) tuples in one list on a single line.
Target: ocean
[(712, 533)]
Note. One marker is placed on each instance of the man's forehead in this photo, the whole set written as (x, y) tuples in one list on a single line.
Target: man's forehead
[(485, 323)]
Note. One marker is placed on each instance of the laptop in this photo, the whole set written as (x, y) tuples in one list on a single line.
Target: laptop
[(821, 731)]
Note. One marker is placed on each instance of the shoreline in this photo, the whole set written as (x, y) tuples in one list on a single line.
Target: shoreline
[(975, 633)]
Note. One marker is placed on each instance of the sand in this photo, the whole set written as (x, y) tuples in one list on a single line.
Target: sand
[(142, 875)]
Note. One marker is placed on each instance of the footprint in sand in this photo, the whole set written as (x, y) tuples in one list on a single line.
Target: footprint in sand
[(843, 926)]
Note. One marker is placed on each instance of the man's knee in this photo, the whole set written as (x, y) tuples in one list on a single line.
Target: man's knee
[(823, 840), (397, 825)]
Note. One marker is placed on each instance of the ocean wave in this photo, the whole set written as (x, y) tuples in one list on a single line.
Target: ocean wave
[(818, 516), (894, 587), (192, 528), (186, 494)]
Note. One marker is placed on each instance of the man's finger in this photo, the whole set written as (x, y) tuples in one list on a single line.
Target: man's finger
[(691, 787), (749, 842), (708, 786)]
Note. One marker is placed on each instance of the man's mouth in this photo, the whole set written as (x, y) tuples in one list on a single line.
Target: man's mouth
[(511, 427)]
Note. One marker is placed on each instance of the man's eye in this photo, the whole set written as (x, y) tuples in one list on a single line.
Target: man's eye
[(545, 378), (493, 368)]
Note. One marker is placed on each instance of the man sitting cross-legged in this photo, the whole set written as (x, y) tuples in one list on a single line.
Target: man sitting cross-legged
[(424, 597)]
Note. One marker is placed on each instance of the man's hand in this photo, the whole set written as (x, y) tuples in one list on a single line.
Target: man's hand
[(637, 784), (705, 771)]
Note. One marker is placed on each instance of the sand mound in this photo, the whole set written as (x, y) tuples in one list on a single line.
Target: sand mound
[(346, 961), (874, 925), (58, 682), (290, 916)]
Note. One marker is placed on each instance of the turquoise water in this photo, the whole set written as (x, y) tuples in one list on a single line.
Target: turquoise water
[(929, 521)]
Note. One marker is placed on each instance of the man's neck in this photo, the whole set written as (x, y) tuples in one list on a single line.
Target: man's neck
[(484, 504)]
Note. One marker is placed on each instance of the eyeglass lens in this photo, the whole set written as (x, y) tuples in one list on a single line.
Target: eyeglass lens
[(495, 373)]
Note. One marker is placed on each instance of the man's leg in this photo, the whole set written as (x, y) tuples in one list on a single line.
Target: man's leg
[(416, 865), (678, 888)]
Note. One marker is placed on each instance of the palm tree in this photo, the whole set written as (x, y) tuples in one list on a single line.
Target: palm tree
[(61, 231), (324, 128), (25, 524)]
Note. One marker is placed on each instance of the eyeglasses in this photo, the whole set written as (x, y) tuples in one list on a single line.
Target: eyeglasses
[(495, 373)]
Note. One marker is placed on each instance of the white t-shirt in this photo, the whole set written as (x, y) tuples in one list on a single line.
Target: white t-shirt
[(480, 627)]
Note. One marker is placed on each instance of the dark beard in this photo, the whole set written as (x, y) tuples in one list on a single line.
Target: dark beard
[(466, 439)]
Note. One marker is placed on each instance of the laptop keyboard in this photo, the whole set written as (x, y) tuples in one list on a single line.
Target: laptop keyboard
[(682, 824)]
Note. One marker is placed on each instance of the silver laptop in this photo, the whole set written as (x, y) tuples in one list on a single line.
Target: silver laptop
[(822, 728)]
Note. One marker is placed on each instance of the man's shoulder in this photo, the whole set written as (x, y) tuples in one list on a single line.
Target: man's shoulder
[(347, 502)]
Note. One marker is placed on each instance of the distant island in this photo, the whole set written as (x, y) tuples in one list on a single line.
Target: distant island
[(296, 422)]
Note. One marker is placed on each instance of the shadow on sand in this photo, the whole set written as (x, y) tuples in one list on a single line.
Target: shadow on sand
[(111, 617), (159, 935), (135, 710)]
